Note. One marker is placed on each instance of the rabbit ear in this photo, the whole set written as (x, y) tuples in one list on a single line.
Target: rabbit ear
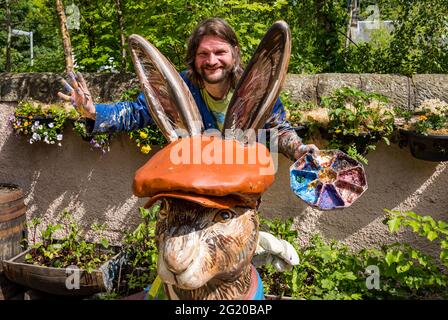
[(259, 87), (169, 101)]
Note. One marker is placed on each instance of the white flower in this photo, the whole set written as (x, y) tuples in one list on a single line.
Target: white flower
[(51, 125), (36, 137), (59, 137), (59, 144), (41, 127), (46, 140), (51, 142), (36, 123), (31, 141)]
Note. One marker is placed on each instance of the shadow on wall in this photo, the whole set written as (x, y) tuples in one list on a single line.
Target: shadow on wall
[(396, 180), (95, 187)]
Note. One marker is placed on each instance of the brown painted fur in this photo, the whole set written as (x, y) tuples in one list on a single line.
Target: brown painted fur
[(203, 254)]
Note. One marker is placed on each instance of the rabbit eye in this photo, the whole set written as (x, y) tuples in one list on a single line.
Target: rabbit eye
[(223, 216), (164, 207)]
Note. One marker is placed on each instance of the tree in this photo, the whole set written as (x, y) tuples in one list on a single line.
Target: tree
[(120, 19), (65, 36)]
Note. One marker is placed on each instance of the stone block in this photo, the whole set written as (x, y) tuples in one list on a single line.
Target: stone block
[(430, 86), (328, 82), (301, 88), (395, 87), (13, 86)]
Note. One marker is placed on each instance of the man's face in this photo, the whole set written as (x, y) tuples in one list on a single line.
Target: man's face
[(214, 59)]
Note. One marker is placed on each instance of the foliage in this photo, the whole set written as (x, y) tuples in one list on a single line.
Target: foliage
[(330, 270), (430, 117), (357, 120), (69, 250), (46, 123), (141, 253), (145, 137), (39, 124), (424, 226), (318, 31), (99, 141)]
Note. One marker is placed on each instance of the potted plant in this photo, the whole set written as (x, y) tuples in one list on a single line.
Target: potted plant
[(425, 130), (67, 265), (350, 119), (39, 124)]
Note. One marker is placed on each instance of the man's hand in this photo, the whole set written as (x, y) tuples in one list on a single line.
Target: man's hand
[(270, 250), (80, 96), (304, 148)]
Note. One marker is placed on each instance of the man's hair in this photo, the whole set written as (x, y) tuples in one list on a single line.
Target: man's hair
[(213, 27)]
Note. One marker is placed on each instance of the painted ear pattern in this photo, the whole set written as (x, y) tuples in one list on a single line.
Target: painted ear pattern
[(169, 101), (259, 87)]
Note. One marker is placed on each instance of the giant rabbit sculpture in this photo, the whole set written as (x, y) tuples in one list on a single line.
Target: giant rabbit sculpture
[(208, 229)]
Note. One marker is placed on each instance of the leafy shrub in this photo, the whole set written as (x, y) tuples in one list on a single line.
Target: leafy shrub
[(68, 250), (330, 270), (430, 117), (145, 137), (141, 254), (39, 124), (357, 121)]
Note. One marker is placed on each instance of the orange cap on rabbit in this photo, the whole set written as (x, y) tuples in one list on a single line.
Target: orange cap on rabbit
[(221, 174)]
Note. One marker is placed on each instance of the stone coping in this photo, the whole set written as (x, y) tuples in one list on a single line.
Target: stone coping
[(403, 91)]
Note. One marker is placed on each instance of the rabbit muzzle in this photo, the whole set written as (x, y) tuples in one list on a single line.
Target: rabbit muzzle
[(180, 250), (179, 261)]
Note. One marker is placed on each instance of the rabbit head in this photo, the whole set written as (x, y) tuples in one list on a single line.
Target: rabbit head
[(209, 186)]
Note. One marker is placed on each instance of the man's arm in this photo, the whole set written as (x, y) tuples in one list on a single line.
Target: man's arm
[(122, 116), (289, 143)]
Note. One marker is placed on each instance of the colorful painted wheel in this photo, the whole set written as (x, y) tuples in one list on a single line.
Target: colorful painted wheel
[(328, 179)]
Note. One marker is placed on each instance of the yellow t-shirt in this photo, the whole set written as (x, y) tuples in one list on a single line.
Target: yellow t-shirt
[(217, 107)]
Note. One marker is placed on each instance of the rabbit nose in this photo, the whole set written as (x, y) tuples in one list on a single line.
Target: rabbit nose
[(180, 251)]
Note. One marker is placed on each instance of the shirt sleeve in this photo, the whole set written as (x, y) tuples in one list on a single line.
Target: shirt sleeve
[(122, 116)]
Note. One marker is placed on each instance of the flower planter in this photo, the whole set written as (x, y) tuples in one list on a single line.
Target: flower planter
[(53, 280), (425, 147)]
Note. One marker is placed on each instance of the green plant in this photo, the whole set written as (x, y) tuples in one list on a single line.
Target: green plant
[(130, 94), (357, 121), (424, 226), (68, 250), (100, 141), (39, 124), (430, 117), (141, 253), (295, 110), (145, 137), (330, 270)]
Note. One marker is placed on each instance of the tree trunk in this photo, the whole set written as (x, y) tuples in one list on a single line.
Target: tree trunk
[(8, 38), (122, 35), (65, 36)]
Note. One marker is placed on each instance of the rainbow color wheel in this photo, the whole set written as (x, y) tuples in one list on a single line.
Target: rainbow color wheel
[(328, 179)]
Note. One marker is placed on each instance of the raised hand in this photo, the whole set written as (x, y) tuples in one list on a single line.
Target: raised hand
[(79, 95)]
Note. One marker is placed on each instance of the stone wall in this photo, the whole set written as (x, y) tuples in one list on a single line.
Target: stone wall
[(97, 188), (403, 91)]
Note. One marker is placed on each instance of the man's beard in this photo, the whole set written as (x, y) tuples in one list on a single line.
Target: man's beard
[(224, 75)]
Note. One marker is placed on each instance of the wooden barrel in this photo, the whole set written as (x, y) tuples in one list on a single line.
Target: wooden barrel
[(12, 230)]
